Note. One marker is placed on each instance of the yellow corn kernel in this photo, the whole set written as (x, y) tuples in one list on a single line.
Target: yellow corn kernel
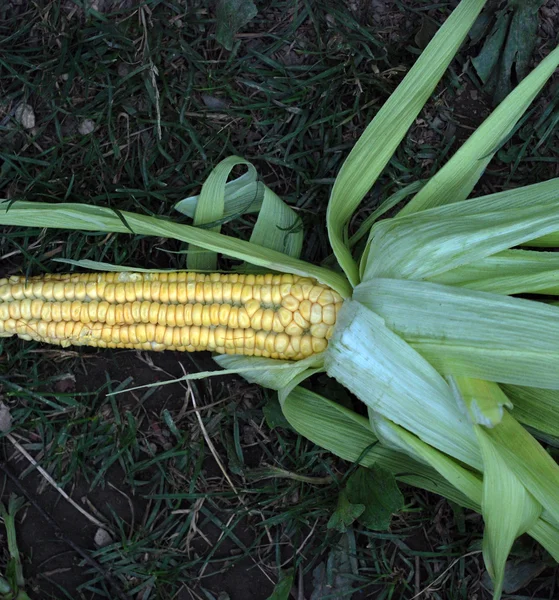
[(197, 314), (252, 306), (256, 319), (224, 311), (305, 309), (217, 292), (277, 325), (243, 318), (300, 320), (297, 292), (260, 339), (195, 336), (293, 329), (285, 316), (267, 319), (316, 314), (246, 294), (319, 344), (203, 341), (236, 292), (329, 314), (227, 292), (306, 345), (282, 341), (290, 303), (233, 320), (319, 330)]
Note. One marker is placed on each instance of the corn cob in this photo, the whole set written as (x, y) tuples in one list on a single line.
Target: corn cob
[(278, 316)]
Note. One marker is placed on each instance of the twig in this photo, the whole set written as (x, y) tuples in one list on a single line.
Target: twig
[(40, 469), (113, 582), (440, 577), (212, 447)]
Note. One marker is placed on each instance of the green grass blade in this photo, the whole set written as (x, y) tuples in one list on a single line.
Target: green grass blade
[(455, 181), (377, 144), (470, 333), (94, 218)]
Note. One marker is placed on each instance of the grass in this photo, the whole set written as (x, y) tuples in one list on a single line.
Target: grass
[(132, 109)]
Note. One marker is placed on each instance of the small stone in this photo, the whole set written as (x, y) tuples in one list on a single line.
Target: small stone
[(5, 418), (123, 69), (102, 538), (86, 127), (25, 116)]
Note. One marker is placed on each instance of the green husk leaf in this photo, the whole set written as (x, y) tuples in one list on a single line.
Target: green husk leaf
[(349, 436), (209, 208), (270, 377), (438, 240), (389, 203), (96, 265), (377, 144), (508, 272), (528, 460), (547, 535), (535, 407), (470, 333), (83, 217), (485, 401), (390, 377), (242, 195), (278, 227), (550, 240), (456, 180), (468, 482), (508, 509)]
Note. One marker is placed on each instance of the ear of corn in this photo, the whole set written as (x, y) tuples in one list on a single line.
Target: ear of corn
[(276, 316), (398, 361)]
